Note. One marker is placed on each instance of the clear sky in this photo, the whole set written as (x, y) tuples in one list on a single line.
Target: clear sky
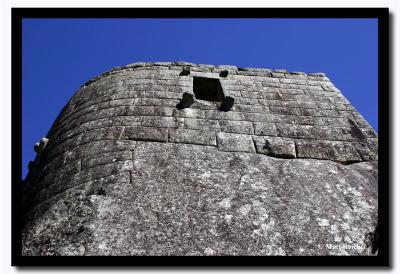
[(59, 55)]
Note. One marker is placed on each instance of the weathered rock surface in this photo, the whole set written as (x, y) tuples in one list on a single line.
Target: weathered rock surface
[(193, 200), (291, 169)]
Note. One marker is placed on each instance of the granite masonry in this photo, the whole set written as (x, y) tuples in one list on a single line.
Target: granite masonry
[(183, 159)]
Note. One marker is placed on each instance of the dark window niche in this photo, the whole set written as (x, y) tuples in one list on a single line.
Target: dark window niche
[(208, 89)]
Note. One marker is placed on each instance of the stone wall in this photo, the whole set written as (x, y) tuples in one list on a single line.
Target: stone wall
[(115, 119)]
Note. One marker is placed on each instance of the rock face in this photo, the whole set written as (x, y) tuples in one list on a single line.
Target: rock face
[(290, 169)]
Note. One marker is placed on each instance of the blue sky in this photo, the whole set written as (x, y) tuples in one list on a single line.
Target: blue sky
[(61, 54)]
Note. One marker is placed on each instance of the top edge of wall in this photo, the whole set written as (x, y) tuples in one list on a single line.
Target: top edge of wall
[(214, 68)]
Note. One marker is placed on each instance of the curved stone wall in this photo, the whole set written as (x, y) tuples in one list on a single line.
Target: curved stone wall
[(122, 162)]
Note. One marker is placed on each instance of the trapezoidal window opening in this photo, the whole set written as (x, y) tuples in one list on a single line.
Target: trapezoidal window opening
[(208, 89)]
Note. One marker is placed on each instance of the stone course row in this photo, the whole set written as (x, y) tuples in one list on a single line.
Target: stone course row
[(193, 132)]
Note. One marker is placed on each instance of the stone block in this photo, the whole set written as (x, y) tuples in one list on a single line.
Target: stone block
[(300, 104), (137, 64), (232, 92), (126, 120), (232, 87), (247, 101), (253, 73), (158, 121), (222, 115), (145, 134), (283, 119), (293, 81), (331, 121), (106, 158), (315, 112), (277, 103), (201, 124), (266, 70), (110, 133), (189, 136), (292, 91), (200, 69), (271, 96), (318, 83), (365, 152), (98, 123), (39, 146), (120, 102), (97, 147), (280, 110), (243, 127), (271, 85), (265, 129), (189, 113), (317, 74), (373, 145), (251, 94), (149, 111), (324, 105), (235, 142), (250, 108), (296, 76), (287, 96), (318, 78), (330, 150), (156, 102), (368, 132), (90, 174), (295, 131), (258, 117), (331, 88), (205, 105), (305, 87), (183, 63), (66, 171), (304, 120), (343, 107), (163, 95), (261, 80), (278, 74), (275, 147)]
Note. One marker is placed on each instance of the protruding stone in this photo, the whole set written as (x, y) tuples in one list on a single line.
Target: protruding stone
[(36, 147), (186, 101), (39, 146), (185, 71), (224, 73), (44, 141), (227, 103)]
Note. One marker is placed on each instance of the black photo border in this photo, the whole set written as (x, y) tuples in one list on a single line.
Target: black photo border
[(382, 14)]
